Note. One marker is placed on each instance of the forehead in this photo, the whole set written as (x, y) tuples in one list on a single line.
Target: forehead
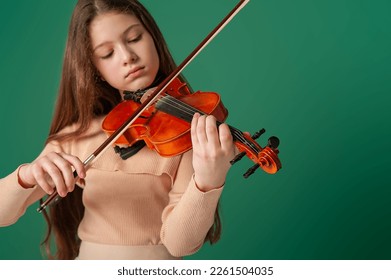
[(109, 26)]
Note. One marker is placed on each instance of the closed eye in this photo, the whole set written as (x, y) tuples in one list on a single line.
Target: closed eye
[(107, 55), (136, 39)]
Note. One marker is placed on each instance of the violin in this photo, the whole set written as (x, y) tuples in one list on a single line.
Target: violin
[(150, 128), (165, 126)]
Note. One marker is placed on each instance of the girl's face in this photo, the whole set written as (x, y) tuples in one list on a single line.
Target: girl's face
[(123, 51)]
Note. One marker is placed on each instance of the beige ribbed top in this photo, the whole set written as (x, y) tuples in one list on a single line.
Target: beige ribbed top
[(144, 201)]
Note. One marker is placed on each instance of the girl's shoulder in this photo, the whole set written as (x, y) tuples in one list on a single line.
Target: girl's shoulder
[(80, 145), (93, 128)]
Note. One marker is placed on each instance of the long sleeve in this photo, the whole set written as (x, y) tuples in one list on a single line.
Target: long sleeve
[(14, 199), (189, 214)]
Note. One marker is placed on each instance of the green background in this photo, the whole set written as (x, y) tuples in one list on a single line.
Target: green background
[(314, 73)]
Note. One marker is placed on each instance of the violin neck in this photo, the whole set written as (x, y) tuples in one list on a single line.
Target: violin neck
[(177, 108)]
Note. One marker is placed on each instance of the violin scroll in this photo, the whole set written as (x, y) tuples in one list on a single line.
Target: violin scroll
[(265, 158)]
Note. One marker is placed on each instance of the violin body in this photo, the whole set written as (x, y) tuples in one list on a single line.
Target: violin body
[(165, 126), (165, 133)]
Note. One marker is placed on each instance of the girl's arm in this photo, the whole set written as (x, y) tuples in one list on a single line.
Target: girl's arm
[(190, 212), (192, 205), (30, 182), (14, 198)]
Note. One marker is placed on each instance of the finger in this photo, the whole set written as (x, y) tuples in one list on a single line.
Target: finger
[(225, 136), (193, 130), (69, 161), (200, 130), (48, 176), (211, 130), (77, 164), (42, 179), (65, 167), (57, 177)]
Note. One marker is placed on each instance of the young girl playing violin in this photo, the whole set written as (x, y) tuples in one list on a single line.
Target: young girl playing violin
[(144, 207)]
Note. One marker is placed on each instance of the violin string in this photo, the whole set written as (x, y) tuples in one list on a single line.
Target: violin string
[(189, 111)]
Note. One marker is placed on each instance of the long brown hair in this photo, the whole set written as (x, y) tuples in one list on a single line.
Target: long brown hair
[(83, 96)]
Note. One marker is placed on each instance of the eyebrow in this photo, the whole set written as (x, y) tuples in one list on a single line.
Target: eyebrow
[(125, 32)]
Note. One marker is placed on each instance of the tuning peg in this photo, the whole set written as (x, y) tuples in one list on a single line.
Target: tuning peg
[(259, 133), (237, 157), (273, 142), (251, 170)]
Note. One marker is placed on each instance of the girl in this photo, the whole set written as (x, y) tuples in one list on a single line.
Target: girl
[(144, 207)]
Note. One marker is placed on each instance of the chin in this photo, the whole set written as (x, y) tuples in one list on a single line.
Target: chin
[(141, 84)]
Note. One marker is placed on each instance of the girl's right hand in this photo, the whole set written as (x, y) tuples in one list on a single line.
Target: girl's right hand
[(52, 171)]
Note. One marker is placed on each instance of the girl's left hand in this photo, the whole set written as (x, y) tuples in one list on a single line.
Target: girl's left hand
[(213, 148)]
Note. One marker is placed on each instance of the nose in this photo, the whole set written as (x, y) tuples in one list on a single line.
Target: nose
[(128, 56)]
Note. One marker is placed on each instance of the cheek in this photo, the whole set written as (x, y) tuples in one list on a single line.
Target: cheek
[(150, 51), (105, 69), (99, 66), (154, 58)]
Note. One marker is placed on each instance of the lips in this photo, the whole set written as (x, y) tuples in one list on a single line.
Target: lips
[(133, 71)]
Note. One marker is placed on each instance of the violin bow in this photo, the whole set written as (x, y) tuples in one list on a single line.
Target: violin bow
[(54, 197)]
